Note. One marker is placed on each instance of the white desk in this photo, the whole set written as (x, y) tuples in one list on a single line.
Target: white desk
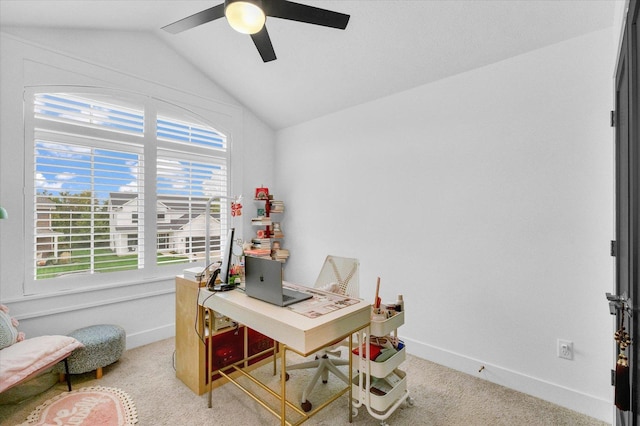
[(292, 330)]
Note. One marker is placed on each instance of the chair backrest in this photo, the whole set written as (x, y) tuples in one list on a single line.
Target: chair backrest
[(343, 271)]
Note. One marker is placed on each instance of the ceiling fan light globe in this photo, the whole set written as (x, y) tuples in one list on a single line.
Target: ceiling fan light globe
[(246, 17)]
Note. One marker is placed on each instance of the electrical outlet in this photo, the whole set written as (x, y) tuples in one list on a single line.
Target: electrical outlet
[(565, 349)]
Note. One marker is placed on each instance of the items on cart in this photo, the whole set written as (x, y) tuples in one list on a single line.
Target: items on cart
[(381, 348)]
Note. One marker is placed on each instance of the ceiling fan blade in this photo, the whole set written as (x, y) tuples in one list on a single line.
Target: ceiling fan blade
[(303, 13), (207, 15), (263, 43)]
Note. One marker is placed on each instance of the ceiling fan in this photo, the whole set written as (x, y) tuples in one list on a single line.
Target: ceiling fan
[(249, 16)]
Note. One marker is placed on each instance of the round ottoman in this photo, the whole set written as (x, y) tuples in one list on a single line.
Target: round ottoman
[(103, 345)]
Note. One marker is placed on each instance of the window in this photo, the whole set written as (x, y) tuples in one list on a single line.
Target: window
[(96, 212), (163, 242)]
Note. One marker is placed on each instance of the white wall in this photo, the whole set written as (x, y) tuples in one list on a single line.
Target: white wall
[(136, 62), (486, 199)]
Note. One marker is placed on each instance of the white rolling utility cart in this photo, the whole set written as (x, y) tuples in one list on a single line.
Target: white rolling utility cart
[(381, 386)]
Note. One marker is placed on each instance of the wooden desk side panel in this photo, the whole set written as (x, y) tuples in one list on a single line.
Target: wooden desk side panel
[(190, 350)]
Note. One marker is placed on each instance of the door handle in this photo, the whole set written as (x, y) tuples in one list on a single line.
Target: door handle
[(618, 303)]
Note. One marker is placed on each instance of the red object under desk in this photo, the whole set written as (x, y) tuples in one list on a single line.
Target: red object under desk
[(228, 348)]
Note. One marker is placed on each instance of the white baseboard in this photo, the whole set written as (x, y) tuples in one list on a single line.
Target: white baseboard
[(151, 335), (586, 404)]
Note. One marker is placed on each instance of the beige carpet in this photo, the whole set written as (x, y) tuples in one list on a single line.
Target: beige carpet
[(441, 397)]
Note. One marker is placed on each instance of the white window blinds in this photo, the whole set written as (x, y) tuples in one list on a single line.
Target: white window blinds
[(84, 112), (191, 168), (73, 204), (93, 205)]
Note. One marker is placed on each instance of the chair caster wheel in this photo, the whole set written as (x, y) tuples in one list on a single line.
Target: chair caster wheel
[(410, 401), (325, 382), (306, 406), (354, 412), (286, 377)]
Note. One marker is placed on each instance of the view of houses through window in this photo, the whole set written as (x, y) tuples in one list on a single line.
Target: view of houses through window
[(95, 209)]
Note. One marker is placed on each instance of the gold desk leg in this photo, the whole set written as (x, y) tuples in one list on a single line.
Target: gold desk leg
[(275, 353), (283, 385), (208, 343)]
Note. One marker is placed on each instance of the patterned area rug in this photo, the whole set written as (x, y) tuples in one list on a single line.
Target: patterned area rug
[(94, 406)]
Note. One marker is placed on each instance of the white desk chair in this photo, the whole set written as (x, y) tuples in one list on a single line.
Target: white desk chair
[(338, 275)]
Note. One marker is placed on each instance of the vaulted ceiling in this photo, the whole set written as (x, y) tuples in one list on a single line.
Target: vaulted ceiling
[(388, 46)]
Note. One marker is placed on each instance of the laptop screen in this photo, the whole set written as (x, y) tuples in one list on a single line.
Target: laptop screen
[(263, 280)]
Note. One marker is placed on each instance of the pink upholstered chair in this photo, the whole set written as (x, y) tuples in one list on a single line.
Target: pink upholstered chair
[(22, 359), (30, 357)]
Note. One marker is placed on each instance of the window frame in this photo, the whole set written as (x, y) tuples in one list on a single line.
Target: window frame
[(153, 110)]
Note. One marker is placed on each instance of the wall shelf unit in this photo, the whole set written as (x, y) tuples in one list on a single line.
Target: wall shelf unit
[(268, 239)]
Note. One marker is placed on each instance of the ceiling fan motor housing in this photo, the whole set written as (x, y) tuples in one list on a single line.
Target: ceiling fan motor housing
[(245, 16)]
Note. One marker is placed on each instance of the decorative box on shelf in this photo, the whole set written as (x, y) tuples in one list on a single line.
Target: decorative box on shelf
[(262, 193)]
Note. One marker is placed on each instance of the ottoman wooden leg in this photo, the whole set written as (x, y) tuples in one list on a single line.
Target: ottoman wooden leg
[(66, 373), (99, 373)]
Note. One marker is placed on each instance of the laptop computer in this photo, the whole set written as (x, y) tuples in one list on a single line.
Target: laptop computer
[(263, 281)]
